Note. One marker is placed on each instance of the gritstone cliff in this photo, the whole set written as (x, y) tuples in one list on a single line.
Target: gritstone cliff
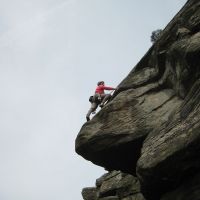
[(148, 135)]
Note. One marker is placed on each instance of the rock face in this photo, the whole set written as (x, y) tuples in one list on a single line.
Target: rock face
[(114, 185), (151, 127)]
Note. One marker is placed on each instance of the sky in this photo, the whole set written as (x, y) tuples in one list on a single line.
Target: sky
[(53, 52)]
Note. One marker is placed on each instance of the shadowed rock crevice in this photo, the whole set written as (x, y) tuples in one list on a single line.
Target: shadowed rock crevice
[(189, 190), (113, 158)]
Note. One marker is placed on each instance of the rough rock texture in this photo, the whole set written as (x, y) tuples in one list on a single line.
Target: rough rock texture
[(189, 190), (151, 127), (114, 185)]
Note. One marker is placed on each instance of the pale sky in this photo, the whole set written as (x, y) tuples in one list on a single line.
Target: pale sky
[(53, 52)]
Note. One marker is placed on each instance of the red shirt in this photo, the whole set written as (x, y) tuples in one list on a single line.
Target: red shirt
[(100, 89)]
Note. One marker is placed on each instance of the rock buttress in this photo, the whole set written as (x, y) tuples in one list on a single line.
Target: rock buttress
[(151, 126)]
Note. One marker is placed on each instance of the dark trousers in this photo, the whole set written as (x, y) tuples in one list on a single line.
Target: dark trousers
[(95, 102)]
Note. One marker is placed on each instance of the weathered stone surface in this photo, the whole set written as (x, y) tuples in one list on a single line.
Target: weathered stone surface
[(129, 185), (106, 176), (115, 185), (110, 186), (169, 154), (122, 125), (90, 193), (151, 127)]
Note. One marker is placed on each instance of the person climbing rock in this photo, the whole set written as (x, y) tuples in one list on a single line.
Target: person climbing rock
[(99, 98)]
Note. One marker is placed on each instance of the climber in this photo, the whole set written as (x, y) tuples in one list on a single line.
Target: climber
[(99, 98)]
